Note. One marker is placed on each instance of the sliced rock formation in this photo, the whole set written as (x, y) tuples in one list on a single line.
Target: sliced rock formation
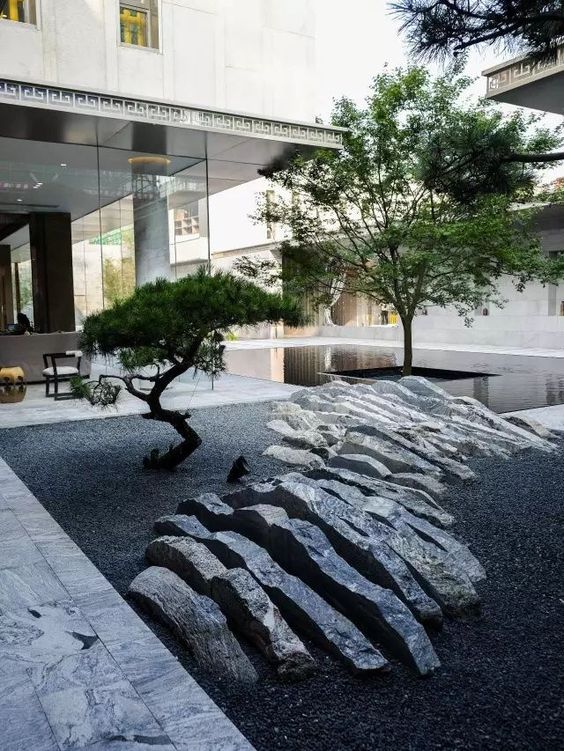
[(303, 608), (376, 607), (371, 556), (189, 559), (196, 620), (242, 600), (299, 457), (435, 571), (250, 610), (304, 550)]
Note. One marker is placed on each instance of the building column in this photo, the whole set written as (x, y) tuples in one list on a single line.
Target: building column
[(51, 263), (150, 230), (6, 292)]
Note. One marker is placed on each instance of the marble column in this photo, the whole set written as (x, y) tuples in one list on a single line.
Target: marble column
[(150, 229)]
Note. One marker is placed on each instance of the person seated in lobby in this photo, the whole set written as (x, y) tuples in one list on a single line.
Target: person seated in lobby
[(23, 325)]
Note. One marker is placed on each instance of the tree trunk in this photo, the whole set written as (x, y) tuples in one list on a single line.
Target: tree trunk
[(176, 454), (407, 345)]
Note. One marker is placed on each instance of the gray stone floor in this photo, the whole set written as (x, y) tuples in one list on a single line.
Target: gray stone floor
[(78, 668)]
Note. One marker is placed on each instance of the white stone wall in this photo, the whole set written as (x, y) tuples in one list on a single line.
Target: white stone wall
[(256, 56)]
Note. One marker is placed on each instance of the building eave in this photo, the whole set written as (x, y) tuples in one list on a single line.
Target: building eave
[(528, 83), (111, 105)]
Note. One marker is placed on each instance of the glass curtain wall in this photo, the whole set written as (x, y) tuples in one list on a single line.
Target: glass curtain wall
[(133, 216)]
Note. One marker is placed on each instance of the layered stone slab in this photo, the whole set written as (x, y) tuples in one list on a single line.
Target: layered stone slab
[(196, 620), (242, 600), (304, 498), (303, 608), (291, 542), (433, 570)]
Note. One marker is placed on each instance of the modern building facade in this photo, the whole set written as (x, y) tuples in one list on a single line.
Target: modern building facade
[(131, 135)]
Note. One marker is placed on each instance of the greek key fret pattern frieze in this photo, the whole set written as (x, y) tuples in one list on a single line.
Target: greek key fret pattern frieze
[(53, 97), (524, 71)]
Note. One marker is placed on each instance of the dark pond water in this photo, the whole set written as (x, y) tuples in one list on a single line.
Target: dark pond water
[(513, 382)]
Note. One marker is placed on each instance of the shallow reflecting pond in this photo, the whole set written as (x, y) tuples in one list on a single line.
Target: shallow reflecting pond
[(517, 382)]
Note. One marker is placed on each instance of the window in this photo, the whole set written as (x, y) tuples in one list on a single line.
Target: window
[(187, 221), (19, 10), (139, 23)]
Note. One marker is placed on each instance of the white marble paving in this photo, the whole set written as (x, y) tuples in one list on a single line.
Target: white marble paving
[(78, 668), (36, 409)]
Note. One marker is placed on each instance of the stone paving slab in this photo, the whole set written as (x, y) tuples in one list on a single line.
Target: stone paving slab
[(78, 668)]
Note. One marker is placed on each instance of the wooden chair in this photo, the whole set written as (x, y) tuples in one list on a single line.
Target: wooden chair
[(56, 374)]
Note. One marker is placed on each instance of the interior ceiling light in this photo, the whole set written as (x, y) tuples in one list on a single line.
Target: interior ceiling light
[(161, 161)]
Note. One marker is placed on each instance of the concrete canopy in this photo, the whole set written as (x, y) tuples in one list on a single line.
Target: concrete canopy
[(44, 112), (535, 84)]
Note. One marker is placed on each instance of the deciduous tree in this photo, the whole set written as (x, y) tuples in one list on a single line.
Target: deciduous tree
[(418, 209)]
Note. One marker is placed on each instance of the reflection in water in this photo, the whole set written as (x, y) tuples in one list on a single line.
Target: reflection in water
[(522, 382)]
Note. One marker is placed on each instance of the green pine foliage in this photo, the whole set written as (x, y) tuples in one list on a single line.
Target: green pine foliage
[(167, 327)]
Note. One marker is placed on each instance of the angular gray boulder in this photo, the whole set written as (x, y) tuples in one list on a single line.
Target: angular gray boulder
[(196, 620), (420, 482), (417, 501), (249, 609), (371, 556), (299, 457), (303, 608), (360, 463), (432, 569), (394, 456), (189, 559), (304, 550)]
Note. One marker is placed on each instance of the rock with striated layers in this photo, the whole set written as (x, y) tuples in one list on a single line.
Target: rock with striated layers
[(420, 482), (417, 501), (299, 457), (196, 620), (304, 550), (395, 457), (433, 569), (249, 609), (301, 439), (419, 445), (422, 387), (210, 510), (360, 463), (370, 555), (530, 424), (189, 559), (303, 608)]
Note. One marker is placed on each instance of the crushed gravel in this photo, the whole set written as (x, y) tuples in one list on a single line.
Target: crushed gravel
[(501, 678)]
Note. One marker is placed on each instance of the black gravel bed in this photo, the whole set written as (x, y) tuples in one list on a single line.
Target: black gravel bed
[(500, 683)]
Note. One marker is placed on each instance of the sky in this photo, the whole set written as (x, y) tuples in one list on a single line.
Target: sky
[(356, 38)]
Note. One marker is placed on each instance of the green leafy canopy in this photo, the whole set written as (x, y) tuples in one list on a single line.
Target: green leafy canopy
[(424, 205), (419, 207)]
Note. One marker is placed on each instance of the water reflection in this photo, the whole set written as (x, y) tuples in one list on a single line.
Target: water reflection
[(521, 382)]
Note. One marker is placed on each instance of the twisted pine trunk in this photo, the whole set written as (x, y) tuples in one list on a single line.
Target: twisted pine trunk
[(176, 454)]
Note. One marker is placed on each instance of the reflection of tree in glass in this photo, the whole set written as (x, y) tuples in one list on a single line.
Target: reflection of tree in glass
[(119, 274), (24, 288)]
